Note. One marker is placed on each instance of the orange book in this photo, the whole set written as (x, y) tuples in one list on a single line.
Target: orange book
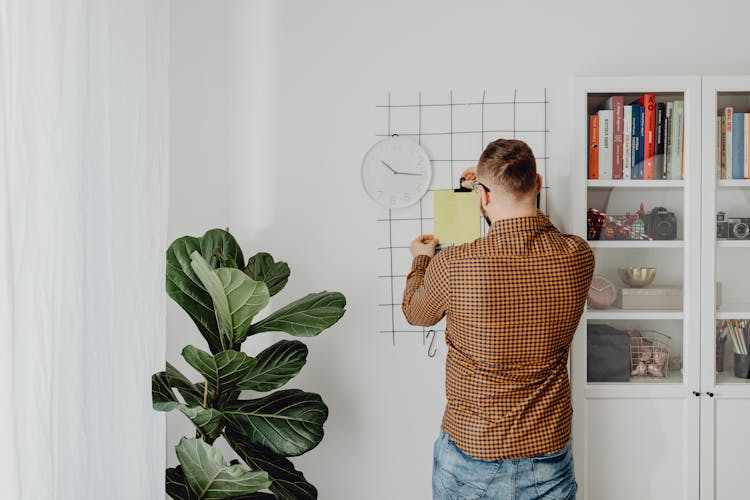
[(648, 101), (593, 147)]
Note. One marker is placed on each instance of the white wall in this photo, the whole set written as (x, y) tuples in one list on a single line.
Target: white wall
[(272, 110)]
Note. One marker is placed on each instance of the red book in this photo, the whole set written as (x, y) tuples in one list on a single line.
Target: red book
[(593, 147), (616, 104), (648, 101)]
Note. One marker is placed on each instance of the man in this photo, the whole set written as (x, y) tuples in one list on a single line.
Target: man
[(513, 300)]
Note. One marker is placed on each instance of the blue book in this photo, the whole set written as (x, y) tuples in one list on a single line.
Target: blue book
[(636, 169), (738, 145)]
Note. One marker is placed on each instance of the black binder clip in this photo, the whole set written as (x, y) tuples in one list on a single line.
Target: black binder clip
[(461, 188)]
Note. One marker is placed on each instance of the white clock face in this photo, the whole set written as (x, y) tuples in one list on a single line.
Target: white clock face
[(396, 172)]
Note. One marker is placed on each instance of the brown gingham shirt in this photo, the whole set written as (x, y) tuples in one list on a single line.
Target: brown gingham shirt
[(513, 300)]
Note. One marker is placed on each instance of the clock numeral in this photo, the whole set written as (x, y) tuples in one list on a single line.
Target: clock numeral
[(379, 194), (407, 197), (393, 199)]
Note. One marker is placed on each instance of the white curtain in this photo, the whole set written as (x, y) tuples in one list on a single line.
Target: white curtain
[(83, 187)]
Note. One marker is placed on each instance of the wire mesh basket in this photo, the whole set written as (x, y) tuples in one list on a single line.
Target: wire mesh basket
[(649, 353)]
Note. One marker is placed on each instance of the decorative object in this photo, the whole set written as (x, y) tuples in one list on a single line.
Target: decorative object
[(651, 298), (637, 277), (649, 353), (396, 172), (603, 226), (602, 292), (209, 279)]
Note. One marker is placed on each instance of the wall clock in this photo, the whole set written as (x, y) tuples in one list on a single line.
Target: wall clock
[(602, 292), (396, 172)]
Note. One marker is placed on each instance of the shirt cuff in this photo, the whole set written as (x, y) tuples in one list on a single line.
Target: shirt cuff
[(420, 262)]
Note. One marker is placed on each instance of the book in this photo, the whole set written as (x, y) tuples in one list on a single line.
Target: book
[(615, 104), (637, 138), (648, 101), (729, 121), (722, 147), (605, 143), (746, 139), (676, 168), (627, 143), (594, 147), (661, 112), (668, 140), (738, 145)]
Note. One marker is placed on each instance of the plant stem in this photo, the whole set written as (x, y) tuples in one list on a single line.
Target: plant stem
[(205, 394)]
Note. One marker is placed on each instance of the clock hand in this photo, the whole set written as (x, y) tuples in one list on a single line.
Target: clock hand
[(409, 173), (388, 167)]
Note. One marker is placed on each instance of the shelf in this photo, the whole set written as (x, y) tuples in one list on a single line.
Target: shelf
[(727, 377), (733, 243), (633, 314), (636, 243), (734, 310), (638, 184), (639, 387), (733, 182)]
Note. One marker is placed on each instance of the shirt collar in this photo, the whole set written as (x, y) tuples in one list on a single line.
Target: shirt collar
[(538, 222)]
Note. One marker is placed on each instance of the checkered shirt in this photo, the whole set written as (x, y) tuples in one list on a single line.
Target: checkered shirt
[(513, 300)]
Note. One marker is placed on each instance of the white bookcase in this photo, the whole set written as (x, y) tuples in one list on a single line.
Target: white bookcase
[(725, 413), (641, 438)]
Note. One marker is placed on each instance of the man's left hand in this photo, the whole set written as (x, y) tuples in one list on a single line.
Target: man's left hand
[(424, 245)]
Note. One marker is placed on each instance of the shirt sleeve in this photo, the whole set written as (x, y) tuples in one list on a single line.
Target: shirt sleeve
[(426, 294)]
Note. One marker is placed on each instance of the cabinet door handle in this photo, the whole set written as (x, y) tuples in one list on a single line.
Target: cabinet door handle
[(710, 394), (696, 393)]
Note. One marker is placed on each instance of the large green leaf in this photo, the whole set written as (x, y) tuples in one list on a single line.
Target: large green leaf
[(191, 394), (208, 421), (261, 267), (288, 422), (162, 395), (276, 366), (184, 287), (210, 477), (224, 371), (177, 486), (305, 317), (286, 482), (236, 299)]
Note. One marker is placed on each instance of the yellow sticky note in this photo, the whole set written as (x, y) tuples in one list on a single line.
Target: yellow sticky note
[(457, 217)]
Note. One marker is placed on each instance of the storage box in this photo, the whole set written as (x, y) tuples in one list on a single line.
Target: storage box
[(663, 297)]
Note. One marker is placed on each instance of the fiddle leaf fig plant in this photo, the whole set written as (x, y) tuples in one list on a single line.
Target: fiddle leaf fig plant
[(209, 278)]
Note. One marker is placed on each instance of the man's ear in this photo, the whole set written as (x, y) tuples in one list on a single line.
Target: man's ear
[(485, 197), (538, 183)]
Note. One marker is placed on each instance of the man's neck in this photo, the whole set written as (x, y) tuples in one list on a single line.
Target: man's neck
[(513, 213)]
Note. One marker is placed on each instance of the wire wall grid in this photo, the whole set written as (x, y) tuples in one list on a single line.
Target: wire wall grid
[(454, 130)]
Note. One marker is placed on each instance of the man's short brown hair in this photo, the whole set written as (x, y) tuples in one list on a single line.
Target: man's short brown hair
[(510, 165)]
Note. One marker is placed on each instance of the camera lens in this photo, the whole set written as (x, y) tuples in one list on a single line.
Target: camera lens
[(663, 229), (741, 230)]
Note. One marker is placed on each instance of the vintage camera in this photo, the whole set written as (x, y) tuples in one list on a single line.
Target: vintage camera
[(722, 231), (661, 224), (738, 228)]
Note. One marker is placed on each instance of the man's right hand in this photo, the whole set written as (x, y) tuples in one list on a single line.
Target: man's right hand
[(468, 175)]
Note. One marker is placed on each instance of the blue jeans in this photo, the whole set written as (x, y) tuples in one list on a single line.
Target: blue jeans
[(456, 475)]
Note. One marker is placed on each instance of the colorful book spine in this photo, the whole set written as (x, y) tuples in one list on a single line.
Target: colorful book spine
[(661, 112), (728, 133), (615, 104), (594, 147), (605, 143), (668, 140), (648, 101), (677, 140), (738, 145), (722, 147), (627, 143), (717, 159), (636, 142)]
